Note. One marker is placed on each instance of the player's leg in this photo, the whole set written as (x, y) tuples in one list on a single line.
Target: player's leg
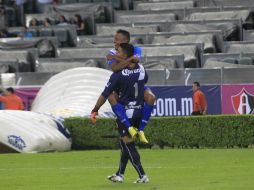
[(149, 98), (119, 175), (134, 156), (135, 160), (120, 113)]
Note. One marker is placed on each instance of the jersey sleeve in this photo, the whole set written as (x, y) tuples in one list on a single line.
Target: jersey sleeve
[(146, 77), (110, 86), (138, 52), (110, 61)]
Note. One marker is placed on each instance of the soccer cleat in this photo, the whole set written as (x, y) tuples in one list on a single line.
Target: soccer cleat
[(144, 179), (132, 131), (116, 178), (142, 137)]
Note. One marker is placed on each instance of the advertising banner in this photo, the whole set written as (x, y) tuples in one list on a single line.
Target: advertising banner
[(27, 95), (177, 100), (237, 99)]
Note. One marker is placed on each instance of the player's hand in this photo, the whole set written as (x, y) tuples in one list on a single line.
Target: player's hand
[(93, 117), (110, 56)]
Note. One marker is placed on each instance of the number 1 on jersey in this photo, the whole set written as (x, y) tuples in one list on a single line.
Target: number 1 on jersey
[(136, 89)]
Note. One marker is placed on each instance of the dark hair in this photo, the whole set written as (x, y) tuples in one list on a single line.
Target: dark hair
[(128, 49), (125, 33), (197, 84), (47, 20), (36, 22), (78, 18), (11, 90), (63, 17)]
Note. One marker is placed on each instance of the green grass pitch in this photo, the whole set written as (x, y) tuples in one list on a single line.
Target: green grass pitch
[(177, 169)]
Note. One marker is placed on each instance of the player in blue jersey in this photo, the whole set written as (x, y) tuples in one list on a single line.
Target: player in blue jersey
[(129, 83), (117, 63)]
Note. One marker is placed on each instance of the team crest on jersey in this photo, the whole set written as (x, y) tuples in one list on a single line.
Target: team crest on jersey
[(243, 102)]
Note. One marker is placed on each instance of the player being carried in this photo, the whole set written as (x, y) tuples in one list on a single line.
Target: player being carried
[(129, 84), (117, 63)]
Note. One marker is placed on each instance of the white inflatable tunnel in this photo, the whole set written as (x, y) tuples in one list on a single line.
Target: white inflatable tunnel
[(30, 132), (68, 94), (73, 93)]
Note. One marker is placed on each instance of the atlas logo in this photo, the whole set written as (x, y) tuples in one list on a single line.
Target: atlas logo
[(16, 141), (243, 103)]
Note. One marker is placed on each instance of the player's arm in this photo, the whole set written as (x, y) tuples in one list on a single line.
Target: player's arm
[(138, 54), (109, 88), (101, 100), (118, 64)]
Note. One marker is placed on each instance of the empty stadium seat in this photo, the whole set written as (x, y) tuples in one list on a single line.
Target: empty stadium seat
[(84, 1), (69, 1), (245, 61), (62, 35), (229, 60)]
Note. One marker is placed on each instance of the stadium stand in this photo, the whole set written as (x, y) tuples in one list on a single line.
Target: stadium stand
[(176, 37)]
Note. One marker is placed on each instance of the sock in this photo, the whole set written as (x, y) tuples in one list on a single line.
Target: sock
[(135, 158), (123, 159), (146, 114), (119, 110)]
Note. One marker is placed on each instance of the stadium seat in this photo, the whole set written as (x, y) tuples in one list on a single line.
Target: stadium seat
[(229, 60), (10, 16), (61, 34), (84, 1), (33, 31), (46, 32), (69, 1), (245, 61)]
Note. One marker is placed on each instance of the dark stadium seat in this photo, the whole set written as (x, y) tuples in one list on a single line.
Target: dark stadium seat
[(10, 16), (46, 32), (69, 1), (84, 1), (61, 34), (245, 61)]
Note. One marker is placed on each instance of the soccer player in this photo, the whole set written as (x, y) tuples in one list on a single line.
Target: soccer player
[(117, 63), (129, 83)]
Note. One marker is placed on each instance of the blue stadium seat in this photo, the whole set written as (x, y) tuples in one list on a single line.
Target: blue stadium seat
[(33, 31)]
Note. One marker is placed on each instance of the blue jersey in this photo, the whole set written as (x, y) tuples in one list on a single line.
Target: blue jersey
[(130, 87), (137, 53)]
